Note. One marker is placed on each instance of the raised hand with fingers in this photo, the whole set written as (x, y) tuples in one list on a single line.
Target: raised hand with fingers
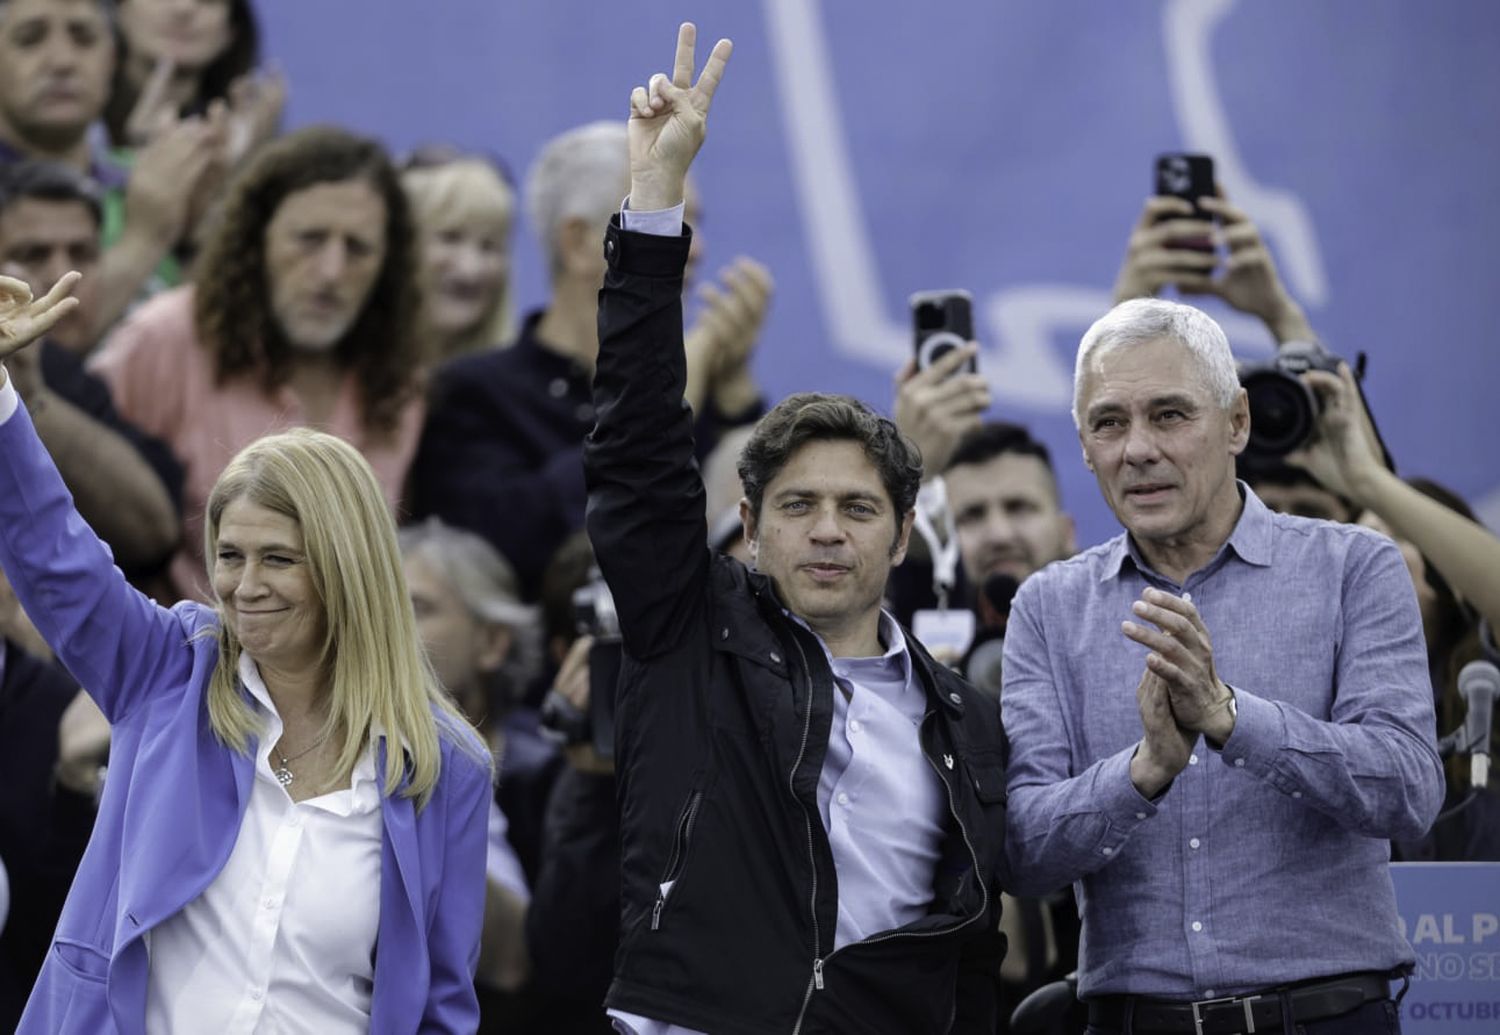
[(24, 319), (938, 406), (1182, 656), (1248, 279), (1155, 257), (668, 121), (1343, 454)]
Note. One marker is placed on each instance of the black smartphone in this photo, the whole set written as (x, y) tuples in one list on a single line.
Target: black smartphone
[(606, 655), (942, 321), (1189, 177)]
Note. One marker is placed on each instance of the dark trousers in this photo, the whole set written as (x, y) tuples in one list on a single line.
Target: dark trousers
[(1377, 1018)]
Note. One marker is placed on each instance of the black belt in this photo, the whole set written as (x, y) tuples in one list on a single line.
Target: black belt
[(1249, 1012)]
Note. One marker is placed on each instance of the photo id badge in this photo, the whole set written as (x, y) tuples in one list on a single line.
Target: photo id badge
[(946, 634)]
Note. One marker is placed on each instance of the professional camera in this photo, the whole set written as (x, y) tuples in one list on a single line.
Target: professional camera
[(593, 615), (1283, 410)]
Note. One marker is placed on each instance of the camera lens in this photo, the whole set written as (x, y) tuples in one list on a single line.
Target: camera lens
[(1283, 411)]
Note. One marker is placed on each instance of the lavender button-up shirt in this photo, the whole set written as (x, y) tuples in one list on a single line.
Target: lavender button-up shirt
[(1267, 861)]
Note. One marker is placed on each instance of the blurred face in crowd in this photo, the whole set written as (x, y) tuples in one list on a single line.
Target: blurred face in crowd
[(324, 248), (461, 647), (466, 263), (1160, 446), (1309, 501), (1006, 512), (56, 59), (41, 240), (262, 576), (827, 534), (189, 33)]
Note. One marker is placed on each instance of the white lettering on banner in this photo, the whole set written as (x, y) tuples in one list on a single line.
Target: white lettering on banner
[(1444, 929), (1457, 966)]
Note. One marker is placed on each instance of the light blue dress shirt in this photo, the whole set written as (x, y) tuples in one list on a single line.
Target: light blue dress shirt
[(1262, 863)]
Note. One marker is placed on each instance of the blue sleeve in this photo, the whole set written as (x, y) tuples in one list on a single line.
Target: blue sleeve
[(1060, 825), (120, 646), (458, 917), (1372, 767)]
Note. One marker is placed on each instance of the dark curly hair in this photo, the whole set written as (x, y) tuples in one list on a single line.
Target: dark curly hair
[(232, 309), (819, 417)]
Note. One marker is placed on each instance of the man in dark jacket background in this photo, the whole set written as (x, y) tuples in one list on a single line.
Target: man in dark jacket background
[(811, 809)]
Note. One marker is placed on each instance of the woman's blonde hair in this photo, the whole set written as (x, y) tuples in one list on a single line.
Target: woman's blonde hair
[(464, 191), (378, 678)]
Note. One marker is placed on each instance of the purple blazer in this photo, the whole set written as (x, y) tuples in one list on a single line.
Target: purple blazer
[(175, 796)]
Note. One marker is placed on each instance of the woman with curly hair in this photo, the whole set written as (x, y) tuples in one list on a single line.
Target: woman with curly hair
[(303, 312)]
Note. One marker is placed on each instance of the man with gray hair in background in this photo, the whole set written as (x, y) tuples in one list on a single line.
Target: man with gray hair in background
[(501, 454), (1217, 720)]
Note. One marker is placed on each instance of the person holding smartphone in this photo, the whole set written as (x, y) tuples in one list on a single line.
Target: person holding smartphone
[(811, 808)]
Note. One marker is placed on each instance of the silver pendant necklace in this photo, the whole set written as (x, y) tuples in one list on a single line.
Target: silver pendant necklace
[(282, 772)]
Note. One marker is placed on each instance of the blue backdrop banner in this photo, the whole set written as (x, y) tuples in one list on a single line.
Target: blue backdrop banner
[(867, 149), (1450, 912)]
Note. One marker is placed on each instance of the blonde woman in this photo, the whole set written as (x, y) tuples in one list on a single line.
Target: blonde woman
[(292, 833), (464, 208)]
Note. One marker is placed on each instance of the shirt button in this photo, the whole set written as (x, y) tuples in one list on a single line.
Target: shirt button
[(724, 634), (1193, 843), (1197, 926), (776, 657), (269, 903), (1209, 992), (294, 820), (843, 798), (1140, 815), (1296, 794), (255, 994), (956, 698), (1192, 759), (854, 726), (1106, 850), (1239, 763), (558, 388)]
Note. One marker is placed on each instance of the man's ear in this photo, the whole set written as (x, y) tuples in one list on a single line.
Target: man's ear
[(494, 646), (903, 538), (577, 245), (747, 522), (1239, 422)]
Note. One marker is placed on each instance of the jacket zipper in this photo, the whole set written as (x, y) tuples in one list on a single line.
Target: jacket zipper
[(679, 854), (816, 981), (984, 901)]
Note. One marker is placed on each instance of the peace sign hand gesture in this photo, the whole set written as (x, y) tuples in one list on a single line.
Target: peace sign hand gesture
[(668, 121), (24, 319)]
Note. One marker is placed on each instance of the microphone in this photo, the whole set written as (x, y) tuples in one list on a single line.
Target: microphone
[(982, 665), (995, 597), (1478, 685)]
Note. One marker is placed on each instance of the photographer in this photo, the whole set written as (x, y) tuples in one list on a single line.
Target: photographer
[(1453, 562)]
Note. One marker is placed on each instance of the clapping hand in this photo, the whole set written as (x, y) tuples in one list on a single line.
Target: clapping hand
[(1182, 657)]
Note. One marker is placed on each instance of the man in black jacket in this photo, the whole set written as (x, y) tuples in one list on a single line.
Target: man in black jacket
[(811, 809)]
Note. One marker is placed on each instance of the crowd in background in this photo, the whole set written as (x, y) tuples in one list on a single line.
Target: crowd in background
[(241, 280)]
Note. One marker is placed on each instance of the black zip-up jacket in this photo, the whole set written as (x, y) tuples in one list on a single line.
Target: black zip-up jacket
[(723, 718)]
